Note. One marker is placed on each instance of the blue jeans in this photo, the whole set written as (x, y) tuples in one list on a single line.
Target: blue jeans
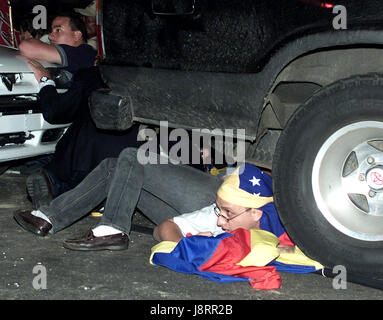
[(59, 186), (160, 191)]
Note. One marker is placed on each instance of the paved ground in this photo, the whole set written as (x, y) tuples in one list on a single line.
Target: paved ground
[(125, 274)]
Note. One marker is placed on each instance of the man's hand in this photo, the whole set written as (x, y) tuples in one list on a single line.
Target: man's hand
[(38, 70), (205, 234), (285, 248)]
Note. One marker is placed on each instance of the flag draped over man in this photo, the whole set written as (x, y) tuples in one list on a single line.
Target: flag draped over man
[(242, 255)]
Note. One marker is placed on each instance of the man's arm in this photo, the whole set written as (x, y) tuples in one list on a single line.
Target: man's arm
[(57, 108), (201, 222), (167, 231), (36, 49)]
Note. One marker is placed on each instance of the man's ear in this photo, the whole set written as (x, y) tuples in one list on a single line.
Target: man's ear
[(256, 214), (77, 35)]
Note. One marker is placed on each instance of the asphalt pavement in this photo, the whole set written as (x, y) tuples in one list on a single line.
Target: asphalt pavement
[(40, 268)]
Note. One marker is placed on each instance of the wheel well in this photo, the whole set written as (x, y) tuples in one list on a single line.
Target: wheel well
[(305, 75)]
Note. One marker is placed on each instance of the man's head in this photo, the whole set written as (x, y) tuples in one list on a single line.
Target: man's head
[(232, 217), (68, 29), (242, 199), (89, 17)]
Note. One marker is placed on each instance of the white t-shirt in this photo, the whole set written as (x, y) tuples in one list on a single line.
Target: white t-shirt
[(202, 220)]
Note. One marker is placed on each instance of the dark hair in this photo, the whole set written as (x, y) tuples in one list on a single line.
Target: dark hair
[(76, 23)]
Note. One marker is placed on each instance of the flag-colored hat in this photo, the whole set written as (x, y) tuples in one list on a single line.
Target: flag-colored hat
[(247, 187)]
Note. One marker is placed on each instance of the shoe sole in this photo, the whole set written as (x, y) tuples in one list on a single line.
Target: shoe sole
[(38, 190), (110, 248)]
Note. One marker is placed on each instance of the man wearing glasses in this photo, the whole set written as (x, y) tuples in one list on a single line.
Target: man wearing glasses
[(244, 200), (240, 244)]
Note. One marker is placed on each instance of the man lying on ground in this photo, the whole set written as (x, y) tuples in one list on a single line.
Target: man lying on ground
[(238, 238), (244, 200)]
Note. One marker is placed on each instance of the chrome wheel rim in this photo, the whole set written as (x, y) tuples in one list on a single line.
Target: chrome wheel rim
[(347, 180)]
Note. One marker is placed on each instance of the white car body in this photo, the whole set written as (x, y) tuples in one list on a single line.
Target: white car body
[(22, 126)]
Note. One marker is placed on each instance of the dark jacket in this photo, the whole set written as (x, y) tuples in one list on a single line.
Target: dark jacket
[(83, 146)]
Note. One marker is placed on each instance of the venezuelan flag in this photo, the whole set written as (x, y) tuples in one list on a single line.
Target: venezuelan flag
[(243, 255)]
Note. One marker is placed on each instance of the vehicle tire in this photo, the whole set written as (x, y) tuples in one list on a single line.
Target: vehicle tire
[(328, 175), (262, 153)]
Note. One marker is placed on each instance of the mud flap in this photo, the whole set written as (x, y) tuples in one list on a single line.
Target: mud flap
[(109, 111)]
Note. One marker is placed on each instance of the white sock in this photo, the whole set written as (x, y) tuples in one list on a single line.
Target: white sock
[(39, 214), (101, 231)]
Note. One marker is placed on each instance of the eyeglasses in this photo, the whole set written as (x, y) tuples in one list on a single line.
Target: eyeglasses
[(217, 212)]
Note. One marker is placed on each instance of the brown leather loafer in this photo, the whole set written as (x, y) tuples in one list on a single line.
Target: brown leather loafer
[(32, 223), (88, 242)]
